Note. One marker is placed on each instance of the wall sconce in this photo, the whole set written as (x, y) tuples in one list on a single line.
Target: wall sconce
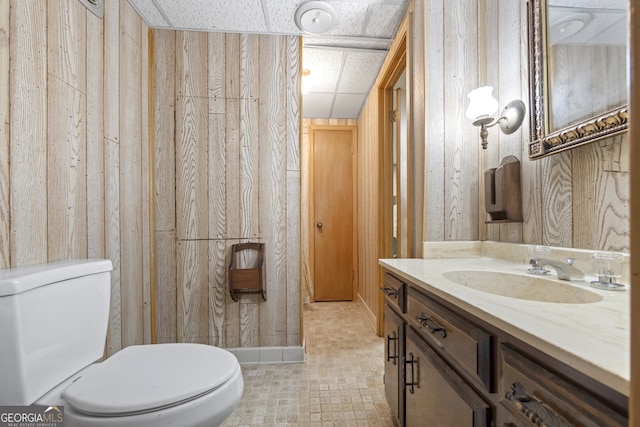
[(482, 105)]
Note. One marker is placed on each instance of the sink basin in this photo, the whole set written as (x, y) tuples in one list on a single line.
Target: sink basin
[(532, 288)]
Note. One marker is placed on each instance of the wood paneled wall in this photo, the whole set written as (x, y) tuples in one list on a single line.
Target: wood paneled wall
[(73, 147), (578, 198), (227, 170)]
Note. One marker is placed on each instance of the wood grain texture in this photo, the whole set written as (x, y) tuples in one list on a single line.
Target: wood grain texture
[(28, 130), (146, 190), (166, 286), (95, 138), (164, 100), (193, 289), (66, 36), (66, 172), (232, 139), (435, 131), (191, 136), (461, 158), (272, 187), (5, 105), (131, 190), (557, 200)]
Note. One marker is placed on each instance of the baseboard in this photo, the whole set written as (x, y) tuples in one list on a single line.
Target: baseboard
[(371, 317), (268, 355)]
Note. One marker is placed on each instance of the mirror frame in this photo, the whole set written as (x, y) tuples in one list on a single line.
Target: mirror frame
[(542, 142)]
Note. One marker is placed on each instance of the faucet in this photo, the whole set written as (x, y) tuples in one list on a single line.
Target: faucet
[(564, 271)]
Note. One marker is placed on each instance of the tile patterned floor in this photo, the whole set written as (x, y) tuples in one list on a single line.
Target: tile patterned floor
[(340, 384)]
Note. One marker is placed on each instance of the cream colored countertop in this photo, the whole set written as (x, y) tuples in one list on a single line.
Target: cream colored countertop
[(593, 338)]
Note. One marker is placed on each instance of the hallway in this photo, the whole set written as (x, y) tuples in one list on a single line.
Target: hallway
[(340, 384)]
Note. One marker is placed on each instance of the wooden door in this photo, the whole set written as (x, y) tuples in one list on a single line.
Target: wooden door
[(332, 211)]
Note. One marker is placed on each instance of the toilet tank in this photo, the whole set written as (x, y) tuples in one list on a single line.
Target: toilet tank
[(53, 323)]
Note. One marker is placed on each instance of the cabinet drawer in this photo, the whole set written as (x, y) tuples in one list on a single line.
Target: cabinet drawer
[(531, 391), (470, 346), (395, 292)]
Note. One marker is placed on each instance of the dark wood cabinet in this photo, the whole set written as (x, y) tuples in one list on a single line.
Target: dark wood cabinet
[(445, 367), (394, 331), (436, 395)]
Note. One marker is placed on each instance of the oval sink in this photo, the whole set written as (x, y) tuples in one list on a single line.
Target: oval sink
[(530, 288)]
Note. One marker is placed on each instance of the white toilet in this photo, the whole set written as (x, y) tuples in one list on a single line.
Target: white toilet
[(53, 325)]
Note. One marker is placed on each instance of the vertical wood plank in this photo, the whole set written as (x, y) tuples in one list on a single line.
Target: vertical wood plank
[(66, 172), (28, 130), (112, 166), (217, 291), (5, 219), (461, 157), (66, 35), (146, 181), (557, 200), (191, 136), (131, 205), (272, 153), (164, 106), (232, 162), (193, 287), (293, 238), (435, 132), (95, 138), (217, 77), (164, 129)]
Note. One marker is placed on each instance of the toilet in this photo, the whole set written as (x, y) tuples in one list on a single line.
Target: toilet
[(53, 326)]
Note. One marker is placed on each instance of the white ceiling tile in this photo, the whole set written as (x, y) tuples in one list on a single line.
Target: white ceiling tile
[(150, 13), (351, 18), (280, 15), (317, 105), (324, 66), (349, 43), (360, 70), (234, 16), (348, 105), (383, 20)]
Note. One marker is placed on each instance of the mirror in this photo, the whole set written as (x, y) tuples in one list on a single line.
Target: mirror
[(578, 72)]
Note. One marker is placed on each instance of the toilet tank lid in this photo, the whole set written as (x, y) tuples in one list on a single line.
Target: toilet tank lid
[(21, 279)]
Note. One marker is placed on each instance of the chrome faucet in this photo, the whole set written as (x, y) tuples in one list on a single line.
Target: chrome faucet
[(564, 271)]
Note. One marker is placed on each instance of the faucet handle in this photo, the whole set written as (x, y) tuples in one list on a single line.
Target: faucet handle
[(571, 260)]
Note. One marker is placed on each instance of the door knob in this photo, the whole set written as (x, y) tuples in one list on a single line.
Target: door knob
[(319, 225)]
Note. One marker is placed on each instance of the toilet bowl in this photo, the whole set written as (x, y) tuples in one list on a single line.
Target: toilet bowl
[(142, 385), (152, 385)]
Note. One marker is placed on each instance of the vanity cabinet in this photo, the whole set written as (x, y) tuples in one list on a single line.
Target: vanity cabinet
[(454, 369), (436, 395), (394, 332)]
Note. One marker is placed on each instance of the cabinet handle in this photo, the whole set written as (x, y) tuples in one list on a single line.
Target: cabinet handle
[(413, 382), (536, 411), (431, 325), (390, 292), (395, 347)]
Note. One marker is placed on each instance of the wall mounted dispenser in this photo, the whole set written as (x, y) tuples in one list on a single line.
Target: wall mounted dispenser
[(502, 191)]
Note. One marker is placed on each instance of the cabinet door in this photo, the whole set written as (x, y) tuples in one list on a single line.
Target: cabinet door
[(436, 396), (394, 331)]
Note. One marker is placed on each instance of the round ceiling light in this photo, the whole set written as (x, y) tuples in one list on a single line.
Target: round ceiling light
[(567, 26), (315, 17)]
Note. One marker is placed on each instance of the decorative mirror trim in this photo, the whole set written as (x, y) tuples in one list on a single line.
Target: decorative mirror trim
[(542, 143)]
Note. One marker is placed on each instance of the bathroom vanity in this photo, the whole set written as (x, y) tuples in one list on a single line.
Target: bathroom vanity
[(456, 355)]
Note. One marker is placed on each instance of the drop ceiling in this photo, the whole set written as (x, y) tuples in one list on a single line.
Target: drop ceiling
[(343, 62)]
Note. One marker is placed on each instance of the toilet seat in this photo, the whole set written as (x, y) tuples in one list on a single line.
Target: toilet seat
[(147, 378)]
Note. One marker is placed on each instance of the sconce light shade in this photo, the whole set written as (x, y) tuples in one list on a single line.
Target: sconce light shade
[(482, 104)]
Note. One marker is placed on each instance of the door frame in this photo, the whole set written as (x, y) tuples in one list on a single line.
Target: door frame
[(311, 201), (385, 158)]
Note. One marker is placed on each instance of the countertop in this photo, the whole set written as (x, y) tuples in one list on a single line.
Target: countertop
[(594, 338)]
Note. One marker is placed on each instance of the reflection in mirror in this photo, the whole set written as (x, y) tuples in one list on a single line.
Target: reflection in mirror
[(578, 67)]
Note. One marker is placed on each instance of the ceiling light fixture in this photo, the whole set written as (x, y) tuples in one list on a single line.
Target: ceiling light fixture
[(316, 17), (482, 105)]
